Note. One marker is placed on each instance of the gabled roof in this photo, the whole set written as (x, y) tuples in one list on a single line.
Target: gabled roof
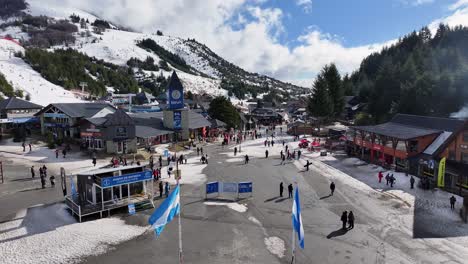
[(174, 82), (197, 121), (147, 132), (16, 103), (119, 118), (85, 110)]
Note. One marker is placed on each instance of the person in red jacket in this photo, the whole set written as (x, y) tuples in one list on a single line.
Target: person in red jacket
[(380, 176)]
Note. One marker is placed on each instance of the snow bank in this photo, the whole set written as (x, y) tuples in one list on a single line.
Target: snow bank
[(50, 235)]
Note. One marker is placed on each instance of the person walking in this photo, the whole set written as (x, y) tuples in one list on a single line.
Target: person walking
[(160, 189), (94, 161), (387, 177), (266, 154), (24, 146), (198, 151), (43, 181), (392, 180), (167, 188), (206, 158), (272, 143), (283, 160), (246, 159), (235, 151), (299, 154), (380, 176), (283, 142), (64, 152), (332, 188), (160, 161), (52, 181), (33, 173), (290, 190), (412, 182), (41, 172), (44, 170), (452, 202), (201, 150), (307, 165), (56, 153), (344, 219), (281, 189), (351, 220), (30, 147)]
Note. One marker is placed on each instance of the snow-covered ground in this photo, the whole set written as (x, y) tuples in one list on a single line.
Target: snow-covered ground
[(23, 77), (49, 234)]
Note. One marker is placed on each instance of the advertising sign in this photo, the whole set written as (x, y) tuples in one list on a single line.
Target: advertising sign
[(441, 178), (126, 179), (177, 120), (175, 98), (212, 187), (245, 187), (230, 187), (131, 209)]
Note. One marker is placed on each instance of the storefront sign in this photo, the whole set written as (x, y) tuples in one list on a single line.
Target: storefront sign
[(56, 125), (245, 187), (55, 115), (175, 98), (90, 134), (126, 179), (177, 120), (93, 130), (441, 178), (463, 146)]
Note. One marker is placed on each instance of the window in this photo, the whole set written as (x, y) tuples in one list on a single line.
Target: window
[(464, 157), (121, 131), (451, 155), (465, 137)]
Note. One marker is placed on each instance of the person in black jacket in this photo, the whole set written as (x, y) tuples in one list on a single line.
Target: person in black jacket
[(332, 187), (290, 190), (281, 189), (351, 220), (344, 219)]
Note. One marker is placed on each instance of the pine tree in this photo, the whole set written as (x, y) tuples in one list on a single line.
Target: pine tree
[(335, 89), (319, 104)]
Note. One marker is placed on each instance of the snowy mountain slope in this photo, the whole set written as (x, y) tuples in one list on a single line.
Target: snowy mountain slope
[(23, 77)]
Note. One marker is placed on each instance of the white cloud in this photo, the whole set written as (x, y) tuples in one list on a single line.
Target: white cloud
[(306, 5), (459, 17), (416, 2), (458, 4), (242, 31)]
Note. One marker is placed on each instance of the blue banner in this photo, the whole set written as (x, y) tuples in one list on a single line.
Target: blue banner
[(230, 187), (245, 187), (126, 179), (212, 187), (131, 209), (177, 120), (175, 98)]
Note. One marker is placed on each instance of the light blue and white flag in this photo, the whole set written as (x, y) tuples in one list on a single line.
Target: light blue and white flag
[(297, 219), (166, 211)]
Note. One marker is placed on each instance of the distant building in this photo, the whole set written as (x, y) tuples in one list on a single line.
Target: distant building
[(17, 112), (416, 144), (352, 106), (267, 116), (63, 120), (114, 133)]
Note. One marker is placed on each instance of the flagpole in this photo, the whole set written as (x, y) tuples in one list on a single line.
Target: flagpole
[(293, 251), (181, 259)]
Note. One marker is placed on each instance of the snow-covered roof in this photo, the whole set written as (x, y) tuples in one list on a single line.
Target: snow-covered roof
[(432, 148)]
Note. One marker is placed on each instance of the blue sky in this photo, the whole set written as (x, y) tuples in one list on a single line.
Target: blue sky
[(359, 22)]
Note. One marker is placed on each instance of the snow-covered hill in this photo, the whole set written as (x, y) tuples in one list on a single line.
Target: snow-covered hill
[(118, 46), (23, 77)]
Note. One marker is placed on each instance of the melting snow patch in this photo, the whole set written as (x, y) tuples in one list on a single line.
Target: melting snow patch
[(255, 220), (275, 245), (234, 206)]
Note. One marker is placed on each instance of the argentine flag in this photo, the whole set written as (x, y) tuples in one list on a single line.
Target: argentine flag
[(297, 219), (166, 211)]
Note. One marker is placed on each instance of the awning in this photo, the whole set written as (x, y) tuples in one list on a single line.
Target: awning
[(25, 120)]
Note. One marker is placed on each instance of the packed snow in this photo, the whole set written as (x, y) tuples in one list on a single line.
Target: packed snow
[(276, 246), (23, 77), (241, 208), (57, 238)]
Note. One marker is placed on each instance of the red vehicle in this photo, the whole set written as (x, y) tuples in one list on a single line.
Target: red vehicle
[(304, 143)]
